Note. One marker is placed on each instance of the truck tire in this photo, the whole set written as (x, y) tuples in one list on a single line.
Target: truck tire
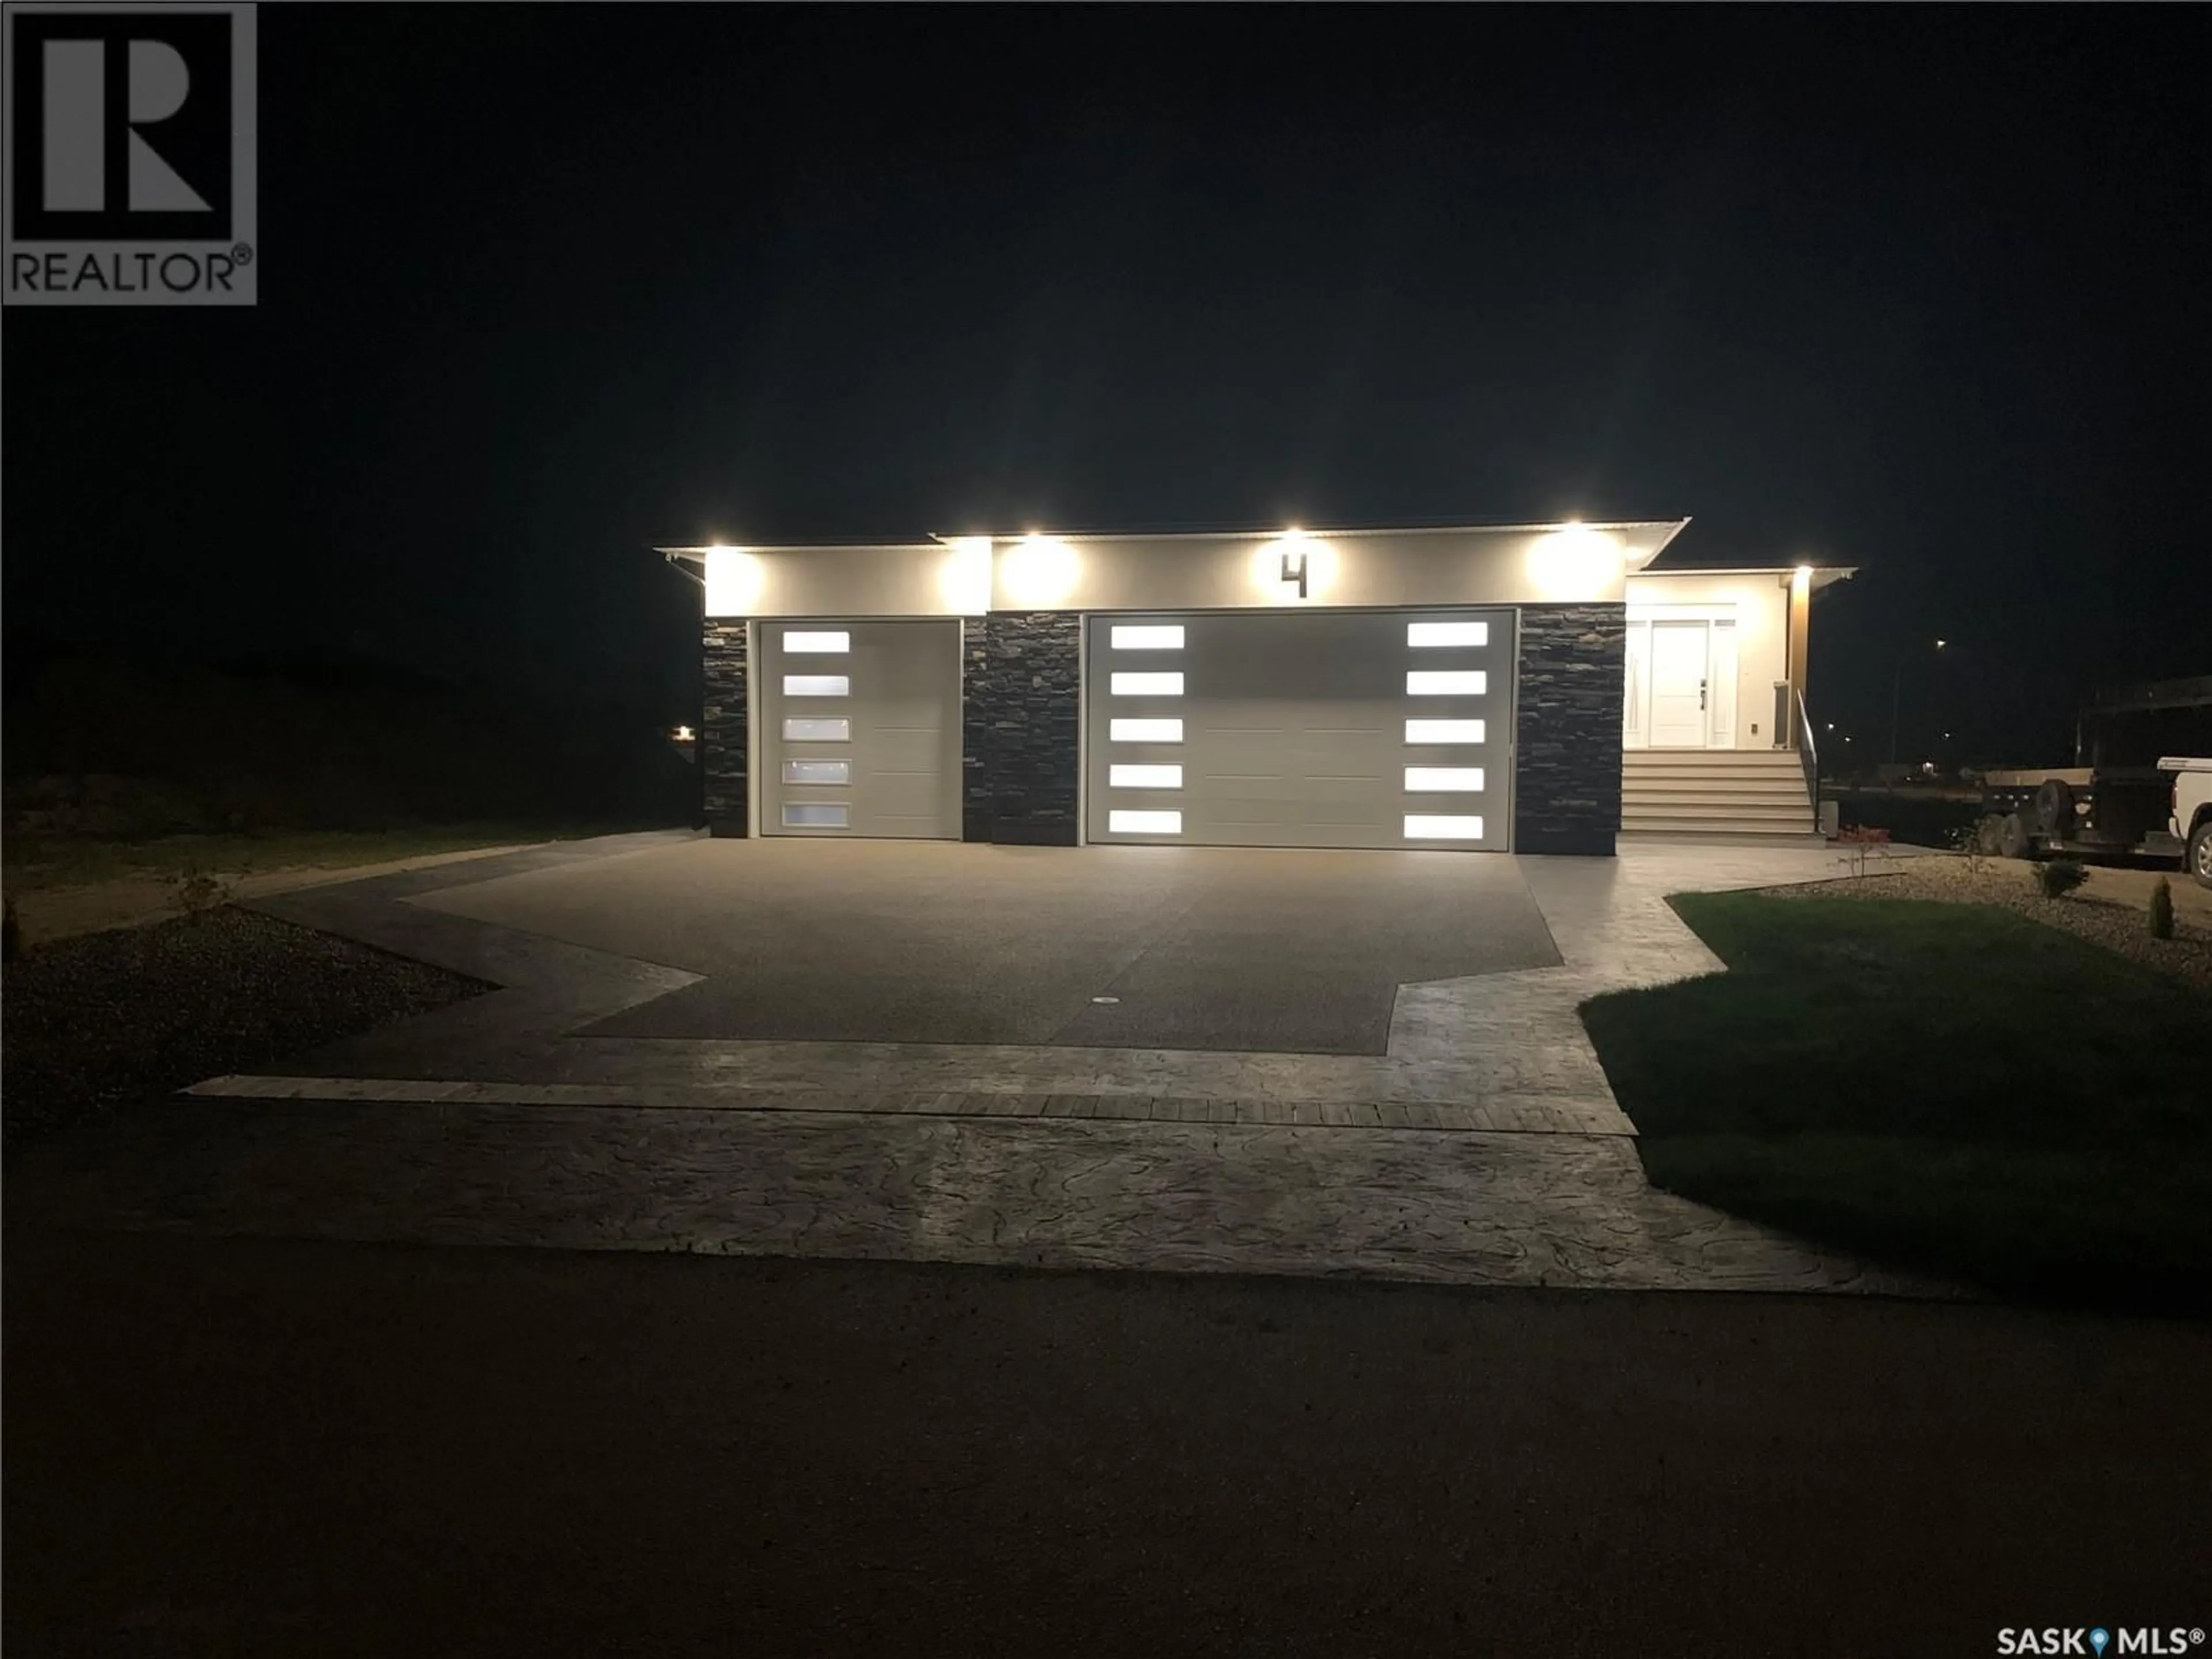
[(2054, 809), (2013, 839), (2200, 853)]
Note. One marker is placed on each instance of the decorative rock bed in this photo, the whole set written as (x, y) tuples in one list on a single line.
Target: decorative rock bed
[(107, 1018), (2102, 917)]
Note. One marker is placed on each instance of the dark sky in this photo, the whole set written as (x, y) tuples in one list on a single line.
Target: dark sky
[(1921, 290)]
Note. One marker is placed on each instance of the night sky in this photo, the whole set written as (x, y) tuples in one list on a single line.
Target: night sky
[(1927, 292)]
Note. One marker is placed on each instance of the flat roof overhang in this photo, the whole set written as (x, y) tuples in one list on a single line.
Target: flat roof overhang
[(1646, 539), (1822, 576)]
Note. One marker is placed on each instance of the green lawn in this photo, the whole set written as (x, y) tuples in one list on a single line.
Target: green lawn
[(32, 864), (1942, 1086)]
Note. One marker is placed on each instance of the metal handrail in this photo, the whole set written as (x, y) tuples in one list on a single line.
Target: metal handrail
[(1808, 754)]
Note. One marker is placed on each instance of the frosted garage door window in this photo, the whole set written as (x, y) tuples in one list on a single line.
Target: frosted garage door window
[(797, 815), (818, 686), (1148, 685), (826, 643), (1436, 826), (1446, 683), (819, 731), (1145, 731), (812, 771), (1443, 780), (1427, 635), (1145, 823), (1444, 731), (1136, 637), (1145, 777)]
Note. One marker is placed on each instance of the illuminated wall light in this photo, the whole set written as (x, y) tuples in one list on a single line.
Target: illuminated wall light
[(1145, 777), (1124, 822), (683, 734), (1446, 683), (1040, 571), (1145, 731), (963, 579), (1573, 562), (818, 686), (825, 643), (734, 581)]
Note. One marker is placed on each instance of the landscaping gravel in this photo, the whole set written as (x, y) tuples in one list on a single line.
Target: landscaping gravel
[(2120, 927), (91, 1023)]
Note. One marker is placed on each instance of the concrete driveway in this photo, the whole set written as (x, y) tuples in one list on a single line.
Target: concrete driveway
[(931, 942), (1480, 1145)]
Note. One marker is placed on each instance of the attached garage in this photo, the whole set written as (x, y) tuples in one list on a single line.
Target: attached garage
[(1300, 728), (860, 732), (1445, 687)]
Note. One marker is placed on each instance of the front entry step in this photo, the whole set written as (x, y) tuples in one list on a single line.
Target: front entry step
[(1709, 792)]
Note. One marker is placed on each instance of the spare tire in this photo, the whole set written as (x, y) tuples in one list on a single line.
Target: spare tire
[(2013, 839), (2054, 808)]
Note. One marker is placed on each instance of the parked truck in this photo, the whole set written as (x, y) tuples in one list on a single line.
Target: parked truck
[(2123, 799)]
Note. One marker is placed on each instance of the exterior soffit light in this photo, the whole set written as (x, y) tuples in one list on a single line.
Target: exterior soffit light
[(735, 579), (1041, 571)]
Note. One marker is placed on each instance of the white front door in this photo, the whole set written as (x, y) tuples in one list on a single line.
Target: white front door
[(1678, 684)]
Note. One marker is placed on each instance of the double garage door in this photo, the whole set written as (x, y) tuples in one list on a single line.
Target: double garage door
[(1301, 728)]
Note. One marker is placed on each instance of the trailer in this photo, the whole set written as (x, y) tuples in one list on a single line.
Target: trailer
[(2124, 800)]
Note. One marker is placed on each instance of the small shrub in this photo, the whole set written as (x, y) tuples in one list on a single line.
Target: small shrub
[(2161, 909), (1966, 841), (196, 892), (1860, 844), (2060, 877)]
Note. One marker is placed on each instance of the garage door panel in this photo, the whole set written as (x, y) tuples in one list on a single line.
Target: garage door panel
[(900, 711), (1295, 728)]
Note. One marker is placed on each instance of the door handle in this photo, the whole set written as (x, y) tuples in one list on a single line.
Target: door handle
[(1701, 694)]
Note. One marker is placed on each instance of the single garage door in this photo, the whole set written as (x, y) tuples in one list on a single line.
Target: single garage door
[(860, 728), (1305, 728)]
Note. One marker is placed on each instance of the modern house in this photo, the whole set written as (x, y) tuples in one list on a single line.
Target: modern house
[(1522, 688)]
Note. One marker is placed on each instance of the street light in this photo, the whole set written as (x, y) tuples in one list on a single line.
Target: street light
[(1896, 686)]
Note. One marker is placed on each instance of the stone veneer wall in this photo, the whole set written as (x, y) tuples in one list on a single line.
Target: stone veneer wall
[(722, 736), (1021, 726), (1566, 781)]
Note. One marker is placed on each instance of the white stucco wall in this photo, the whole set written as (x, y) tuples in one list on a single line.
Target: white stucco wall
[(1181, 573), (1760, 604)]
